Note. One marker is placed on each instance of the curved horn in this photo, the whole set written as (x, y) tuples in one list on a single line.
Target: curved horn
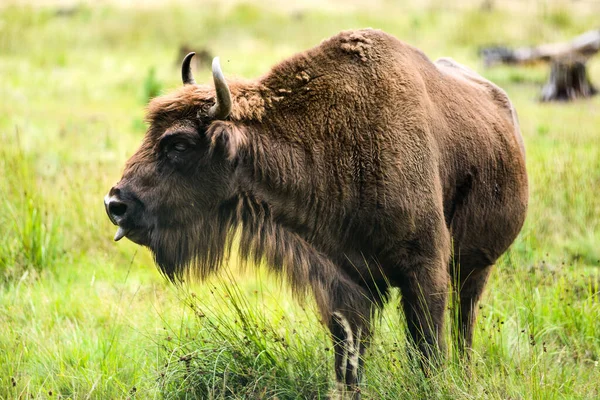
[(222, 107), (186, 70)]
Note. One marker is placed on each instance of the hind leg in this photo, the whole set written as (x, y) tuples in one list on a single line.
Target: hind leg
[(469, 283), (424, 294)]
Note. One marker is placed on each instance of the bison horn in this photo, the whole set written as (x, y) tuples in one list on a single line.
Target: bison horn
[(222, 107), (186, 70)]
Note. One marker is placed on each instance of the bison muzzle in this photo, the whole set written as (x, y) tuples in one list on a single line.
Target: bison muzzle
[(349, 169)]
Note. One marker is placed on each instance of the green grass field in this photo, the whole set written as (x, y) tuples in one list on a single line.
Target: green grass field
[(82, 317)]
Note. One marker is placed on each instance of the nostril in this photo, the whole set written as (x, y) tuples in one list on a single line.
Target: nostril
[(114, 191), (117, 209)]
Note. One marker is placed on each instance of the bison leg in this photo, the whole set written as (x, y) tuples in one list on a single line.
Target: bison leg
[(471, 282), (349, 332), (424, 295)]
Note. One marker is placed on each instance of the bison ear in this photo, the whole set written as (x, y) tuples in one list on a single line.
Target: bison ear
[(226, 137)]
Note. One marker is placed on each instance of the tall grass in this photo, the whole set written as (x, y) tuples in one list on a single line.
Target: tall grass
[(28, 233), (238, 349)]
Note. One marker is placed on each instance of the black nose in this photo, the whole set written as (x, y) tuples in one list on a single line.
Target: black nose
[(117, 208)]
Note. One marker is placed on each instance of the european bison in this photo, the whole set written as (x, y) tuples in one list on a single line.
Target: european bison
[(353, 167)]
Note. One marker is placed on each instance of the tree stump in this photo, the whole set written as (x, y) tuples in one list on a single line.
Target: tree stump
[(568, 81), (568, 75)]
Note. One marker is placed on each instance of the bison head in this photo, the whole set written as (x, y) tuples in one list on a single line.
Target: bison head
[(175, 189)]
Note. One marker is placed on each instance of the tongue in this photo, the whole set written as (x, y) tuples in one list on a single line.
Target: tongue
[(119, 235)]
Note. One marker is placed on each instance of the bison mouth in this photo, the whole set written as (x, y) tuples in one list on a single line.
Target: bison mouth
[(136, 235)]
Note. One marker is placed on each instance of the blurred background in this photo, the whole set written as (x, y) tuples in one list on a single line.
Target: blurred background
[(83, 317)]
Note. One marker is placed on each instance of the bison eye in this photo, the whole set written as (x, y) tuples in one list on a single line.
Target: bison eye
[(179, 147), (176, 149)]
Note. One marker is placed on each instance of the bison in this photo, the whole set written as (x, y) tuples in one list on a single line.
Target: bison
[(349, 169)]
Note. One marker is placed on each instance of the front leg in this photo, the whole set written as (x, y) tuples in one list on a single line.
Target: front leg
[(350, 332), (345, 308)]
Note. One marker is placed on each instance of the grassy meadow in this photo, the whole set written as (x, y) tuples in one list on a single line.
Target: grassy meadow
[(84, 318)]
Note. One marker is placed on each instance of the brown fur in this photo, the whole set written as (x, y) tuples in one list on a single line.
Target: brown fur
[(354, 166)]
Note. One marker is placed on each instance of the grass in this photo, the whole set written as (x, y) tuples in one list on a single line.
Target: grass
[(82, 317)]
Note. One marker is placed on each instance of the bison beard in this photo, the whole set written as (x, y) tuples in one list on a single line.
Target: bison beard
[(348, 169), (202, 247)]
